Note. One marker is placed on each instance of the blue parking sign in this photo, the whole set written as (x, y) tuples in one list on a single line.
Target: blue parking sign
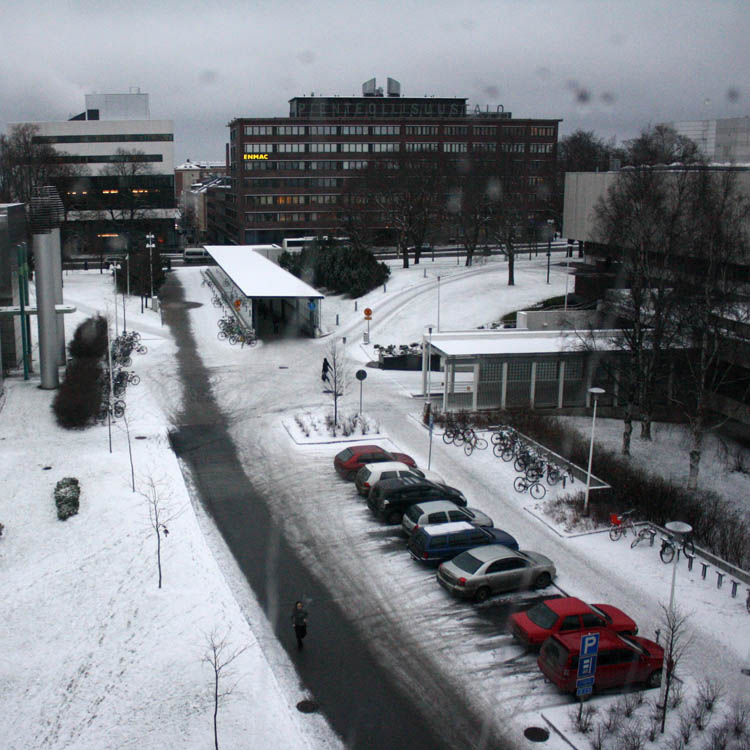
[(589, 644), (587, 663)]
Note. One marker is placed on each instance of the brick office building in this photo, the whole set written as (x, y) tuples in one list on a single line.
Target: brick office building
[(287, 173)]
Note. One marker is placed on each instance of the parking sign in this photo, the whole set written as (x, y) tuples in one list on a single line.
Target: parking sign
[(587, 663)]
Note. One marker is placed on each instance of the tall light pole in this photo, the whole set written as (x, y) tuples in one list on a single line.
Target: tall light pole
[(150, 245), (568, 253), (595, 392), (429, 392), (438, 301)]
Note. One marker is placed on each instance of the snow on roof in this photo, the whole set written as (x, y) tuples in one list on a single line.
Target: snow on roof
[(474, 343), (255, 276)]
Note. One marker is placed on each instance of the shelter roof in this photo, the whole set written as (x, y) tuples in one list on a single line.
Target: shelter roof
[(256, 276)]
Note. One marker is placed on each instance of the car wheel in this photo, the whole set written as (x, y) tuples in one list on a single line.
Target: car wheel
[(654, 679), (394, 517), (542, 581), (482, 595)]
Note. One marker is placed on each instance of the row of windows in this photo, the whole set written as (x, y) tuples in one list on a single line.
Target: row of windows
[(297, 166), (303, 182), (519, 166), (410, 147), (520, 370), (490, 130), (106, 159), (289, 200), (283, 218), (115, 138)]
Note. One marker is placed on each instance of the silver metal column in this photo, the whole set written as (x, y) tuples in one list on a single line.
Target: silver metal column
[(46, 315), (56, 250)]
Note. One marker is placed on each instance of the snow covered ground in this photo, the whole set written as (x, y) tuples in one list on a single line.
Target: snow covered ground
[(95, 651)]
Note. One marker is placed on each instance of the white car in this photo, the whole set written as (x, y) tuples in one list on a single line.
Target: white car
[(369, 474), (441, 511)]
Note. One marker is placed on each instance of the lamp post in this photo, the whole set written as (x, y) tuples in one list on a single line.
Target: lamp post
[(150, 245), (429, 392), (438, 301), (678, 531), (595, 392), (549, 256)]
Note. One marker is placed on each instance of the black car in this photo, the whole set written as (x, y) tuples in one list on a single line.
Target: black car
[(390, 498)]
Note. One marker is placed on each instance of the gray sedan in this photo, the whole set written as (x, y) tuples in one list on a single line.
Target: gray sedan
[(479, 572)]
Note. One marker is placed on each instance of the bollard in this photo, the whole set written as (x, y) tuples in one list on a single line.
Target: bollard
[(384, 289), (343, 339), (705, 567), (337, 318), (719, 579), (424, 275), (690, 561), (734, 588), (355, 305)]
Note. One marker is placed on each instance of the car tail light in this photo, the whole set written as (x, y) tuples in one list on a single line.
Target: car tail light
[(365, 484), (424, 555), (462, 581), (416, 528)]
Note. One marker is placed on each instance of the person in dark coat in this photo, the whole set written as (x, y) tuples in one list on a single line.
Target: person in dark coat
[(299, 622)]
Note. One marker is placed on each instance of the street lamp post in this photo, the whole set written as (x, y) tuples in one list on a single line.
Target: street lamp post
[(429, 392), (438, 301), (150, 245), (595, 392), (549, 256)]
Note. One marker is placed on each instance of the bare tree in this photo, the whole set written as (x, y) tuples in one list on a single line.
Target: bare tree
[(157, 497), (677, 641), (338, 377), (219, 656), (661, 144)]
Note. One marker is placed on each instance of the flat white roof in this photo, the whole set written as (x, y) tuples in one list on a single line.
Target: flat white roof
[(256, 276), (475, 343)]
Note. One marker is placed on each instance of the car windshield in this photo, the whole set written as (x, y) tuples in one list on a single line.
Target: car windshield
[(601, 613), (553, 653), (467, 562), (413, 512), (634, 645), (345, 455), (542, 616)]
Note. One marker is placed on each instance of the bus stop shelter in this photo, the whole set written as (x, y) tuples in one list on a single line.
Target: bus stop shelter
[(267, 298)]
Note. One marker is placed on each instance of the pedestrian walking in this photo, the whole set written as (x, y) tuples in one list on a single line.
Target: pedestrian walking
[(299, 622)]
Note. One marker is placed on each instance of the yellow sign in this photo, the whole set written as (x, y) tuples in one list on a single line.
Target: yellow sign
[(255, 156)]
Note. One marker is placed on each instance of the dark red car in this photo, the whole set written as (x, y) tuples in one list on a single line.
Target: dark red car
[(567, 614), (350, 460), (621, 660)]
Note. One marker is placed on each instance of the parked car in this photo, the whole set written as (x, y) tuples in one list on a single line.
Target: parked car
[(433, 544), (389, 498), (440, 511), (370, 474), (567, 614), (350, 460), (621, 660), (479, 572)]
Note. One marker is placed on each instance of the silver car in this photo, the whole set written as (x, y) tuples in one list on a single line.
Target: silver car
[(370, 474), (440, 511), (479, 572)]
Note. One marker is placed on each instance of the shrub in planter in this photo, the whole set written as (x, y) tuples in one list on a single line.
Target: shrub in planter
[(90, 339), (67, 492), (79, 398)]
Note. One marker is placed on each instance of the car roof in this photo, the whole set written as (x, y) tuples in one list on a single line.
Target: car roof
[(357, 449), (438, 529), (435, 506), (489, 552), (382, 466), (567, 605), (413, 481), (572, 641)]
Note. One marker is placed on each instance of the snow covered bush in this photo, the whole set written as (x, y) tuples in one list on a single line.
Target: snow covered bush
[(90, 339), (67, 492), (79, 398)]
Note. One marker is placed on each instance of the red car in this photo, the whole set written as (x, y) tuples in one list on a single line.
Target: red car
[(350, 460), (621, 660), (567, 615)]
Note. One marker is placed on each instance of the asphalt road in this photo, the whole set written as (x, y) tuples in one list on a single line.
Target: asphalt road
[(362, 700)]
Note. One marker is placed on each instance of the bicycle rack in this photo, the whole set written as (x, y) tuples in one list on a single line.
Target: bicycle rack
[(735, 584), (705, 567), (719, 579)]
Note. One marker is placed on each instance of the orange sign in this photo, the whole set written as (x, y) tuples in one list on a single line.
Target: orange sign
[(368, 312), (238, 303)]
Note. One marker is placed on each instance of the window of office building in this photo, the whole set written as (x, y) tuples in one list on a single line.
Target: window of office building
[(354, 130), (292, 166), (422, 146), (290, 148), (359, 148), (513, 148), (259, 148), (291, 217), (289, 200), (322, 148), (332, 165), (484, 146), (258, 200), (385, 130), (421, 129), (259, 218), (290, 130), (545, 131), (541, 148), (322, 130), (485, 130), (456, 130), (258, 130), (381, 148), (513, 130), (454, 148), (354, 165), (322, 199)]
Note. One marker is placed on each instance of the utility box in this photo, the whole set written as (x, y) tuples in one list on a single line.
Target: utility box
[(155, 304)]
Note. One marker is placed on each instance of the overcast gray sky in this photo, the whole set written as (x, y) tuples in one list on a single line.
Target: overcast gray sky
[(602, 65)]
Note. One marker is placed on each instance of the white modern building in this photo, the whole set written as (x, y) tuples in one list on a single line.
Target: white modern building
[(724, 141), (121, 182)]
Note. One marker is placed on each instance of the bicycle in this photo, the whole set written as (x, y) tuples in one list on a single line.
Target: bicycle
[(669, 545), (620, 525), (536, 489), (473, 442)]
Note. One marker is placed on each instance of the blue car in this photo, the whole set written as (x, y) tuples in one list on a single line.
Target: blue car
[(435, 543)]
